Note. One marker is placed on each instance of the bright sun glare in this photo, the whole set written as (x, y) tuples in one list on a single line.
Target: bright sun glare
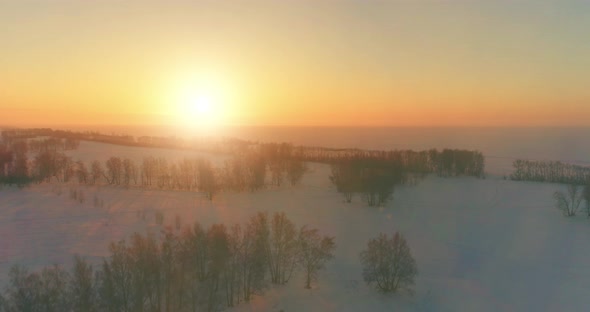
[(200, 104)]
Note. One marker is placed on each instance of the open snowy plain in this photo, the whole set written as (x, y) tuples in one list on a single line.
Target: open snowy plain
[(480, 244)]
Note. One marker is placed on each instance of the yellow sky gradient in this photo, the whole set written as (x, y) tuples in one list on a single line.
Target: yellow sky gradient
[(332, 63)]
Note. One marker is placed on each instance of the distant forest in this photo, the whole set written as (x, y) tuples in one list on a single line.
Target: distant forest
[(550, 171), (251, 166)]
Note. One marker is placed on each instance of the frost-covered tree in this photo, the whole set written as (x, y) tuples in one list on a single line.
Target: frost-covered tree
[(314, 252), (45, 291), (254, 255), (586, 196), (97, 171), (255, 172), (388, 263), (282, 249), (129, 172), (81, 287), (82, 172), (295, 171), (54, 296), (115, 283), (570, 202), (207, 179), (114, 167), (22, 293)]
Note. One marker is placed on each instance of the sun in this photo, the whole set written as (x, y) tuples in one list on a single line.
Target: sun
[(201, 101), (200, 104), (199, 110)]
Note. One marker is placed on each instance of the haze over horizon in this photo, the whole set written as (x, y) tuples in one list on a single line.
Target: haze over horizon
[(304, 63)]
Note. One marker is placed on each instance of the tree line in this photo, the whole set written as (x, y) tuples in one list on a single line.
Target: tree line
[(375, 175), (223, 146), (197, 269), (549, 171), (250, 170), (448, 162), (445, 163), (56, 144)]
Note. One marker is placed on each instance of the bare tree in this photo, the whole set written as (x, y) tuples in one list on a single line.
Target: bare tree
[(218, 252), (587, 196), (6, 157), (22, 293), (114, 167), (68, 170), (233, 276), (389, 263), (234, 174), (194, 252), (282, 249), (569, 204), (315, 251), (116, 280), (148, 171), (81, 289), (20, 168), (97, 171), (207, 179), (255, 172), (129, 172), (82, 172), (295, 171), (345, 178), (254, 262), (276, 172), (162, 172), (53, 294)]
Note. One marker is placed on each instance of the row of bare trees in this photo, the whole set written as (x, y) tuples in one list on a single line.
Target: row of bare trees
[(247, 171), (193, 270), (552, 172), (448, 162), (243, 172), (201, 269), (51, 143)]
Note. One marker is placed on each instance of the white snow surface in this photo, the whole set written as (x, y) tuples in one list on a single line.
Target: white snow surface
[(480, 244)]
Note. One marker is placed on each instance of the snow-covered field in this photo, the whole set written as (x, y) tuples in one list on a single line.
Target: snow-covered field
[(480, 245)]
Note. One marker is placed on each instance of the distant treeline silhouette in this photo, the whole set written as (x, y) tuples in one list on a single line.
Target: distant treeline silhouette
[(549, 171), (253, 169), (374, 175), (252, 165), (224, 145), (445, 163), (196, 269)]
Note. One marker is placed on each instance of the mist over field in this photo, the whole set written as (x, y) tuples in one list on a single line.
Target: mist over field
[(344, 155), (500, 145), (487, 244)]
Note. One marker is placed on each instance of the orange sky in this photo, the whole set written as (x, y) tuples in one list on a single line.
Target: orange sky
[(395, 63)]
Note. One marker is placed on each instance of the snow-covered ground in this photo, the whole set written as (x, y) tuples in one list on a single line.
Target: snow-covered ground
[(480, 245)]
